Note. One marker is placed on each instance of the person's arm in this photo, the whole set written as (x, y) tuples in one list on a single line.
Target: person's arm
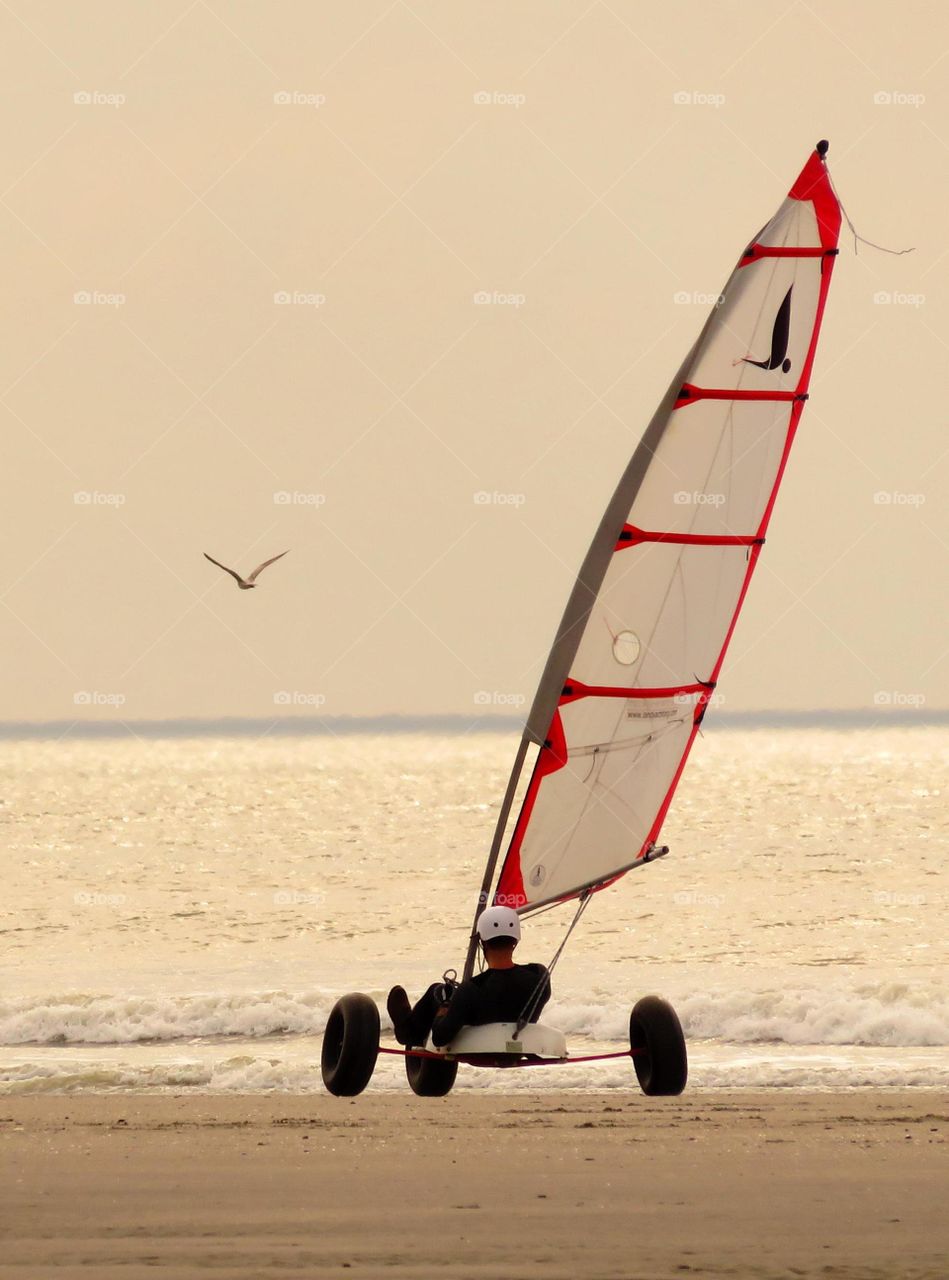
[(452, 1017), (540, 974)]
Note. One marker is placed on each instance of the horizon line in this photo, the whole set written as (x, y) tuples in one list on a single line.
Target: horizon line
[(447, 723)]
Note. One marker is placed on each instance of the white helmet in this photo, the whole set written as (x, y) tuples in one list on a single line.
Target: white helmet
[(499, 922)]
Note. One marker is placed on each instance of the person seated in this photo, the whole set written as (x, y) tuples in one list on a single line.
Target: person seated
[(503, 992)]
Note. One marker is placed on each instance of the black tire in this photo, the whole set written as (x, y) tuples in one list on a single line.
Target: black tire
[(655, 1033), (430, 1078), (350, 1045)]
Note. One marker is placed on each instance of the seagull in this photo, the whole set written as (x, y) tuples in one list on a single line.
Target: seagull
[(245, 584)]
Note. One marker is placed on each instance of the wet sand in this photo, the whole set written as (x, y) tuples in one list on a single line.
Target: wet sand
[(845, 1186)]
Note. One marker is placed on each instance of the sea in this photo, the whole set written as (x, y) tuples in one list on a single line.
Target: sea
[(180, 914)]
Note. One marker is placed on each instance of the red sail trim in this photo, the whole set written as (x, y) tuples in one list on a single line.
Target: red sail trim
[(574, 689), (756, 251), (552, 756), (633, 537), (689, 393), (813, 183)]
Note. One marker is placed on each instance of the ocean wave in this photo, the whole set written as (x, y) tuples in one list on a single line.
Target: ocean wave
[(251, 1073), (889, 1015), (107, 1019)]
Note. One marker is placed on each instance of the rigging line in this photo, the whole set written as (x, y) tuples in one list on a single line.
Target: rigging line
[(853, 230), (529, 1008)]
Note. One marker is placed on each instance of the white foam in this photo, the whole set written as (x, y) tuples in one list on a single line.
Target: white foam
[(886, 1015), (212, 1069)]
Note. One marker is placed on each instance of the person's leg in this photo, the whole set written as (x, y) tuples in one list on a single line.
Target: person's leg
[(412, 1024)]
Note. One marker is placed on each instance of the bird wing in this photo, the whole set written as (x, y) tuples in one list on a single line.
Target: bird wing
[(236, 576), (260, 568)]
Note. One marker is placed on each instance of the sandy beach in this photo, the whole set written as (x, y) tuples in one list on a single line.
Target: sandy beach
[(599, 1185)]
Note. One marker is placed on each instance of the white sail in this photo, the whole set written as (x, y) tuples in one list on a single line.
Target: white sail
[(642, 641)]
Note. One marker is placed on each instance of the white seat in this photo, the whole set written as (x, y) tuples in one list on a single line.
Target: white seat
[(498, 1037)]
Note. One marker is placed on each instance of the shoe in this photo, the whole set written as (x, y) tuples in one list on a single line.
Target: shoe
[(400, 1011)]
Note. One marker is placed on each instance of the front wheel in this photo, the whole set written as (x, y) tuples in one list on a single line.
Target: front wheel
[(430, 1078), (658, 1047), (350, 1045)]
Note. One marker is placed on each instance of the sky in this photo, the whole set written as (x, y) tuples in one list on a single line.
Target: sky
[(397, 286)]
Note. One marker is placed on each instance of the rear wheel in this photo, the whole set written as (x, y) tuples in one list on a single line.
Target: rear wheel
[(350, 1045), (658, 1045), (429, 1077)]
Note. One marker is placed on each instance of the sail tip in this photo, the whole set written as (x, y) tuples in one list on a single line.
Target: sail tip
[(822, 147)]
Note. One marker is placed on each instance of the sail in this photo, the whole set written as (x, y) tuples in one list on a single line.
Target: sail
[(641, 644)]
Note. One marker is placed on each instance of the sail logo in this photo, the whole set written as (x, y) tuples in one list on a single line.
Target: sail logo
[(696, 98)]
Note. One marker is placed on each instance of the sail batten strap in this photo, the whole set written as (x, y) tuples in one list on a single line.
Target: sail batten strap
[(574, 689), (632, 536), (688, 393), (756, 251)]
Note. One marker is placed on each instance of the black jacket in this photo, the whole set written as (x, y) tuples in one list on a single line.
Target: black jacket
[(497, 995)]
